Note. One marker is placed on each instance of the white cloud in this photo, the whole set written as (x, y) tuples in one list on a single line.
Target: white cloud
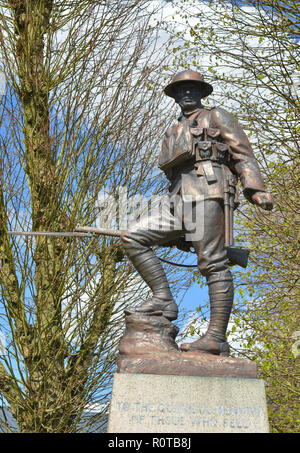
[(2, 83), (2, 344)]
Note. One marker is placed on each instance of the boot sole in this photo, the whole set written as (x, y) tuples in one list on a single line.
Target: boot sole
[(169, 310)]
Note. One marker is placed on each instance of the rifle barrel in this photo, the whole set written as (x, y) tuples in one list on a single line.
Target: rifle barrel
[(104, 231), (80, 231)]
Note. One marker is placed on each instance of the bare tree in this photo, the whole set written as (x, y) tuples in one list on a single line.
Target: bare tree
[(82, 113)]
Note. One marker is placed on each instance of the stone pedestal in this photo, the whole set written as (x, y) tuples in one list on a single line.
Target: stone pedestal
[(148, 403), (160, 389)]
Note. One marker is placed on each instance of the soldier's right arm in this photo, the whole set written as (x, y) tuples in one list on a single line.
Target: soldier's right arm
[(243, 161)]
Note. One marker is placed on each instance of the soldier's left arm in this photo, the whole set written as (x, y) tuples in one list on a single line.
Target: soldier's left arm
[(243, 160)]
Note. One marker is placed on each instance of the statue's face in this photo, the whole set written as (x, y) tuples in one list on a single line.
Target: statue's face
[(188, 95)]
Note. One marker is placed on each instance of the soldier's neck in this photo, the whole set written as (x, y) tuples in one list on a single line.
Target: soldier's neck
[(189, 113)]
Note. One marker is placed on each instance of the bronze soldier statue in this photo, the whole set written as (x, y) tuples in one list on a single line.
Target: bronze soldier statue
[(199, 155)]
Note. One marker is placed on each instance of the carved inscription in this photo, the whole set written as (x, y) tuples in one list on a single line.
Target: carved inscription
[(202, 416)]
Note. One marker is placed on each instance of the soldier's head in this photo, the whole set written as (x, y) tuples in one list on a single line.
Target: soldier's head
[(188, 88)]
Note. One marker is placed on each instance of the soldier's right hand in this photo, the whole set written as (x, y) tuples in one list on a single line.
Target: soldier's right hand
[(263, 199)]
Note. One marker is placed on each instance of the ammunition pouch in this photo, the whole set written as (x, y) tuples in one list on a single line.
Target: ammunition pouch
[(207, 146), (212, 150)]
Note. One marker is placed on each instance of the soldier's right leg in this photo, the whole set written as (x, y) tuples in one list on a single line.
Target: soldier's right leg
[(137, 242), (213, 264)]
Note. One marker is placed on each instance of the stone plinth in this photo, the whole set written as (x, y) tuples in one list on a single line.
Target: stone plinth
[(150, 403)]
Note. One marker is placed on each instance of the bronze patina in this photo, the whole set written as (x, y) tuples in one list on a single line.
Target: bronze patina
[(203, 157)]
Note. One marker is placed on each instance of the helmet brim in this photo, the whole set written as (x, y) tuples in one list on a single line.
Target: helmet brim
[(206, 88)]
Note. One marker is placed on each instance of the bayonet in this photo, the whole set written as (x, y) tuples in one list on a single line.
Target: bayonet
[(49, 233), (80, 231), (94, 230)]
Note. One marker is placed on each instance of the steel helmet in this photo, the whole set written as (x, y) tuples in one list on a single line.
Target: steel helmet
[(188, 76)]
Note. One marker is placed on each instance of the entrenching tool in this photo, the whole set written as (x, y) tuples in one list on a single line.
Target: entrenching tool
[(236, 255)]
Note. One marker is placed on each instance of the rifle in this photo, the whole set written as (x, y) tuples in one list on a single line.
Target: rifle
[(236, 255), (89, 232)]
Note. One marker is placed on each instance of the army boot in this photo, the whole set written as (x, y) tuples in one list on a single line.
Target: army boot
[(150, 269), (221, 298)]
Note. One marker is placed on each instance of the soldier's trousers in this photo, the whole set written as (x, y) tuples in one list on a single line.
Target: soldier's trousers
[(208, 240)]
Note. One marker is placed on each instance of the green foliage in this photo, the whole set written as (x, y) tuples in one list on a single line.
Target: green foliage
[(250, 56)]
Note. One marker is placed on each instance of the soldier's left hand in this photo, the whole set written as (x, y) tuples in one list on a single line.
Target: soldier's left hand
[(263, 199)]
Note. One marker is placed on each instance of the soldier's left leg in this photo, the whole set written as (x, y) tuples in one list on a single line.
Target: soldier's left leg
[(213, 264), (137, 241)]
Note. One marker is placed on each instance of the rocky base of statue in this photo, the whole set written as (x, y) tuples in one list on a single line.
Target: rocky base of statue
[(149, 347), (148, 334)]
